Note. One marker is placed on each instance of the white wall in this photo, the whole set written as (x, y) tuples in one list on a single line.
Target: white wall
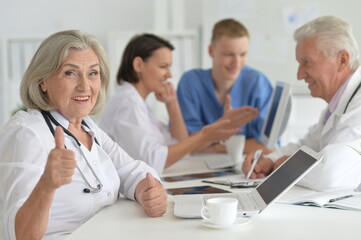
[(43, 17)]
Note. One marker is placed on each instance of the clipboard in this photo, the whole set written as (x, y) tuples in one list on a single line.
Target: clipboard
[(195, 190), (203, 175)]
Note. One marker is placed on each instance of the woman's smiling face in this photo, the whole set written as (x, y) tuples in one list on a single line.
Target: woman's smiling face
[(73, 89)]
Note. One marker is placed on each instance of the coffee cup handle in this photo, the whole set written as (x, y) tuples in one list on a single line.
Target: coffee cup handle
[(203, 210)]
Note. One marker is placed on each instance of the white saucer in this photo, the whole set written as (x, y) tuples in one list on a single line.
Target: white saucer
[(238, 222)]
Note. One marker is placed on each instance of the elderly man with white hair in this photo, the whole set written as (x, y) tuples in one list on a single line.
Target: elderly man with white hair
[(328, 58)]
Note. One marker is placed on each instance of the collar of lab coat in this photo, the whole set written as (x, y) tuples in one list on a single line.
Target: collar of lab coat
[(350, 88)]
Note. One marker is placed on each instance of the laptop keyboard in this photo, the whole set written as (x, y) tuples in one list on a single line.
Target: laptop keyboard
[(245, 201), (220, 163)]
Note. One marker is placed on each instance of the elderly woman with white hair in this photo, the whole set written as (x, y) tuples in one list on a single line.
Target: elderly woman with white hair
[(57, 168)]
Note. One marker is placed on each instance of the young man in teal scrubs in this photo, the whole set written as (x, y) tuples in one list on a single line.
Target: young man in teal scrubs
[(206, 95)]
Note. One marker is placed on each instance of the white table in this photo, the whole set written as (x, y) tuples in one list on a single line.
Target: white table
[(126, 220)]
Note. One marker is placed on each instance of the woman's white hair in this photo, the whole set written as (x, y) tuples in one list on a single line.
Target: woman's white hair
[(332, 35)]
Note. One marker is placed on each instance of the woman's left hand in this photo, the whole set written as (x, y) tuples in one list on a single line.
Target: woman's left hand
[(166, 94), (151, 196)]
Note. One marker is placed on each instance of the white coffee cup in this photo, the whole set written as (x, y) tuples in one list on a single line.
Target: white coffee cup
[(220, 211), (235, 146)]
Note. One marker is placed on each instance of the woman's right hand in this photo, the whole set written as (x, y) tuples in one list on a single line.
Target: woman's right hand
[(166, 94), (60, 166)]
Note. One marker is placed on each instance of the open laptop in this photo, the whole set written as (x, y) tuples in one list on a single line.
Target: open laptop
[(277, 183)]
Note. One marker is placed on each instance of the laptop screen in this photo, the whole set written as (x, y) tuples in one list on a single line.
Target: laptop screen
[(285, 175)]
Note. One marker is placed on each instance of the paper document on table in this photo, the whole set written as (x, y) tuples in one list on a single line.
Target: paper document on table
[(348, 200)]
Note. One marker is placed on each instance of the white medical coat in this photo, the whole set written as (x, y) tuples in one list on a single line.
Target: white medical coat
[(25, 143), (129, 121), (341, 166)]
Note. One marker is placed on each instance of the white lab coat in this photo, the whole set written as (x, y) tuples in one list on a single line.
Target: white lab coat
[(25, 143), (129, 121), (341, 166)]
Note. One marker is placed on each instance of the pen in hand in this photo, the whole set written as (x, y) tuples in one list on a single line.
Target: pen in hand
[(339, 198), (257, 155)]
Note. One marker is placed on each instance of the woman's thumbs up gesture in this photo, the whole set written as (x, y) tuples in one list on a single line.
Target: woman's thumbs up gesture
[(61, 163)]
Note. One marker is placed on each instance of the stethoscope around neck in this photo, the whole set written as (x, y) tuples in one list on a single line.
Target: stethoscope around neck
[(90, 189), (353, 94)]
